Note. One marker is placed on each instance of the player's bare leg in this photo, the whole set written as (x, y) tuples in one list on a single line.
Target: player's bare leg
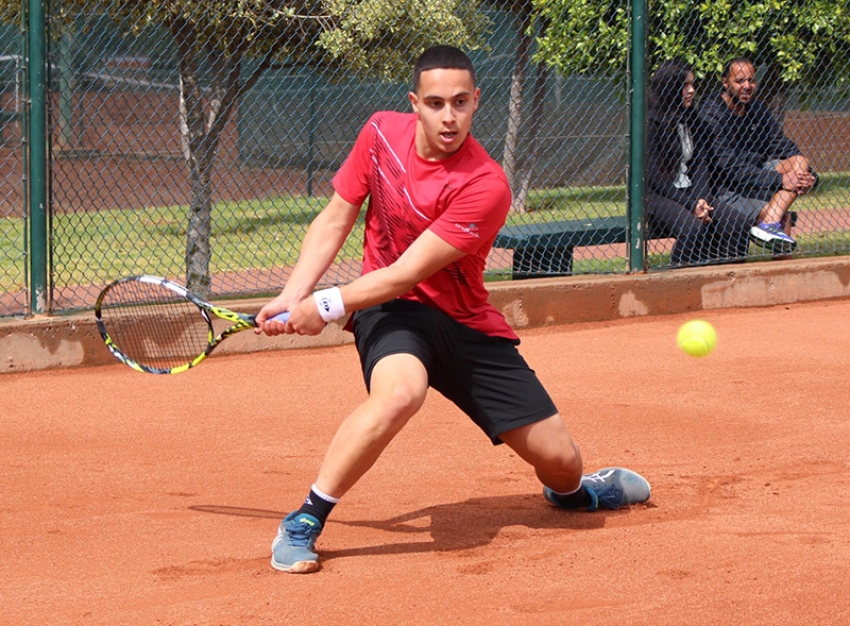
[(398, 386), (549, 448)]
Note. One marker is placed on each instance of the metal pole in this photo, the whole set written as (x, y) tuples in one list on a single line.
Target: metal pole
[(637, 134), (38, 141)]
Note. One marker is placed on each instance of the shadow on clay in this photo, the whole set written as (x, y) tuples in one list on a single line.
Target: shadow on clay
[(464, 525)]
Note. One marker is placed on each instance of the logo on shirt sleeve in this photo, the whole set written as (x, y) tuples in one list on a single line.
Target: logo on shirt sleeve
[(469, 229)]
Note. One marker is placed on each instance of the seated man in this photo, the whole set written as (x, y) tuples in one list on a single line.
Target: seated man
[(754, 166)]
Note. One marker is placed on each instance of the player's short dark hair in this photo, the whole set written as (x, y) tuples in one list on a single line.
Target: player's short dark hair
[(727, 69), (441, 58)]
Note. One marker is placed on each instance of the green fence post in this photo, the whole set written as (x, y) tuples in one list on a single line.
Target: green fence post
[(637, 135), (36, 53)]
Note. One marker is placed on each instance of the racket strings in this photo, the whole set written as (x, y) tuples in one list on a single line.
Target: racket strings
[(153, 325)]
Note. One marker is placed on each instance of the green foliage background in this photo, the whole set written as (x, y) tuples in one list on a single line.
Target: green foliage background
[(804, 40)]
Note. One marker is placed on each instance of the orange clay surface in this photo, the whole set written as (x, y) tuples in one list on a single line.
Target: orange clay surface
[(136, 499)]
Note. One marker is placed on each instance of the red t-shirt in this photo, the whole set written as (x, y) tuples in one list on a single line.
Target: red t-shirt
[(463, 199)]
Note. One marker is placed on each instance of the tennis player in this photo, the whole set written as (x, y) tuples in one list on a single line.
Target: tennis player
[(419, 311)]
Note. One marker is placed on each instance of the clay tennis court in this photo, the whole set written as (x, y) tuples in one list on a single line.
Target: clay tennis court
[(137, 499)]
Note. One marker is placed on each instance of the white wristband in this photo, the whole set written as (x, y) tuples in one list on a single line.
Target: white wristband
[(329, 302)]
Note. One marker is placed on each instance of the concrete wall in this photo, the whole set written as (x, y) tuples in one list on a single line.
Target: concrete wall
[(73, 341)]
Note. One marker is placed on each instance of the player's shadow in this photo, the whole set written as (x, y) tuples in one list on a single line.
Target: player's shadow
[(451, 527), (472, 523)]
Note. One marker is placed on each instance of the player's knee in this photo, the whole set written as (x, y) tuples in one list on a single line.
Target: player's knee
[(562, 472), (569, 463), (562, 464), (399, 403)]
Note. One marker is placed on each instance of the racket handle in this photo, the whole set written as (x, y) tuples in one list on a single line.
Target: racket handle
[(280, 317)]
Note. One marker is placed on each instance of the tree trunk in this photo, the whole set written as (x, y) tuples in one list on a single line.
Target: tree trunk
[(198, 249), (526, 171), (193, 131), (201, 133), (510, 155)]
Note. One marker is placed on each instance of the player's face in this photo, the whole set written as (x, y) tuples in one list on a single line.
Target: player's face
[(740, 84), (688, 91), (444, 102)]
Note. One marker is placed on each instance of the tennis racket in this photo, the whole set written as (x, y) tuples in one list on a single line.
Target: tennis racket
[(159, 327)]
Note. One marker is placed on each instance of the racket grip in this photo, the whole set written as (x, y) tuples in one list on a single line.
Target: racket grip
[(280, 317)]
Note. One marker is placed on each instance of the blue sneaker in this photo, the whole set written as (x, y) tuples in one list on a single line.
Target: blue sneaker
[(610, 488), (771, 236), (293, 548), (613, 487)]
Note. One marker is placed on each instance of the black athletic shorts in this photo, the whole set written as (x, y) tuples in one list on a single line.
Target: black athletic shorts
[(486, 377)]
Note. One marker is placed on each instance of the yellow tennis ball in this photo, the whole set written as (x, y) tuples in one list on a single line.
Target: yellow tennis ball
[(697, 338)]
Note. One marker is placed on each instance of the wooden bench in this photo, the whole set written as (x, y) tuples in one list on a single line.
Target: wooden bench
[(546, 249)]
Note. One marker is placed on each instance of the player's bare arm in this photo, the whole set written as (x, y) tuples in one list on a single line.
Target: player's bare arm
[(323, 241), (426, 256)]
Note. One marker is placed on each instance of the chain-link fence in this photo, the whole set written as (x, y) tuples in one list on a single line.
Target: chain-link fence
[(13, 217), (198, 140)]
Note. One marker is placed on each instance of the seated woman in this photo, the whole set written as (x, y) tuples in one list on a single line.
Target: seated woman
[(678, 194)]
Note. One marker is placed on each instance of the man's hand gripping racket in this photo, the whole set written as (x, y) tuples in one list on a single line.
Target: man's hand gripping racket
[(159, 327)]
